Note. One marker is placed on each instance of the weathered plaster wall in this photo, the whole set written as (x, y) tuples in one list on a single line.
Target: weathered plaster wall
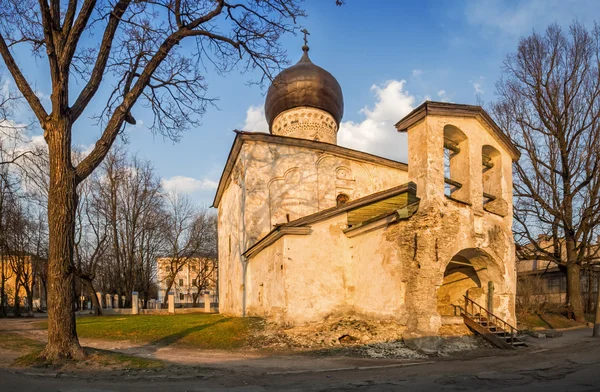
[(444, 227), (291, 182), (271, 182), (326, 274), (381, 276), (266, 280), (230, 241), (306, 123)]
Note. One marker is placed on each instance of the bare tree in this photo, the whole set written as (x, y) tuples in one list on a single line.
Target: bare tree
[(151, 245), (22, 237), (8, 185), (549, 101), (187, 234), (138, 44), (91, 239)]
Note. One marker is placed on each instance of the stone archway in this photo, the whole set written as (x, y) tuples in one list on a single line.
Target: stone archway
[(467, 273)]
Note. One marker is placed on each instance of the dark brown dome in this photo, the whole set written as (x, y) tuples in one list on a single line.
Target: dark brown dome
[(304, 84)]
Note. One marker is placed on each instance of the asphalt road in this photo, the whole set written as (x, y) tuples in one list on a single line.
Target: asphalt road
[(570, 363)]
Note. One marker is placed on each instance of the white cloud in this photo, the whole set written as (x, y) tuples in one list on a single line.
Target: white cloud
[(376, 133), (478, 85), (518, 18), (443, 96), (255, 120), (183, 184), (416, 73)]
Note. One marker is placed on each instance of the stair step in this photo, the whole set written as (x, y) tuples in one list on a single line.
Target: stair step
[(492, 328)]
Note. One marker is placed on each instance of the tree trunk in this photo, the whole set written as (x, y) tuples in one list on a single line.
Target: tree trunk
[(29, 301), (62, 206), (170, 283), (3, 304), (574, 300), (596, 332), (17, 300), (95, 303), (589, 307)]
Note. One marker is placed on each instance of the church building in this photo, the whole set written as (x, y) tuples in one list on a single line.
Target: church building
[(309, 229)]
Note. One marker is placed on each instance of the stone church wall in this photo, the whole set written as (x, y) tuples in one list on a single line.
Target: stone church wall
[(414, 271), (230, 244), (284, 183)]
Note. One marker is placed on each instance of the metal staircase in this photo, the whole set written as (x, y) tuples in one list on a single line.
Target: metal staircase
[(491, 327)]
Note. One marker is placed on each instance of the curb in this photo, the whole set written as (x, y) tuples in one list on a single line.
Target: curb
[(150, 377), (395, 365)]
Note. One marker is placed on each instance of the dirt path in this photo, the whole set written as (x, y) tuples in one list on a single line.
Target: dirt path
[(243, 361), (570, 366)]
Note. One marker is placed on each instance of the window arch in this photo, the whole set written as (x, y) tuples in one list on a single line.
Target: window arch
[(456, 164), (491, 176), (341, 199)]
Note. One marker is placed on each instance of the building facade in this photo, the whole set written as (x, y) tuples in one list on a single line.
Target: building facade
[(191, 278), (542, 282), (309, 229)]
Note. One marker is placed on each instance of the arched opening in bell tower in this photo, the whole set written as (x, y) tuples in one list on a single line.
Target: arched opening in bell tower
[(468, 273)]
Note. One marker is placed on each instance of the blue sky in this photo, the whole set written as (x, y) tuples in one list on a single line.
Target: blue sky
[(388, 56)]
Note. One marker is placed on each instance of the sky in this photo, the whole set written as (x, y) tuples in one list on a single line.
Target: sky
[(388, 56)]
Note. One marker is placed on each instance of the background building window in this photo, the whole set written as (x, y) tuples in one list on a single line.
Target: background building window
[(557, 284), (181, 282), (181, 296)]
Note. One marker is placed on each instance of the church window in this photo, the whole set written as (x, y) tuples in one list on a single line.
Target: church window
[(181, 282), (341, 199), (456, 164), (181, 296)]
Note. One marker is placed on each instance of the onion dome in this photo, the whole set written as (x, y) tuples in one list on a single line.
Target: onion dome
[(304, 85)]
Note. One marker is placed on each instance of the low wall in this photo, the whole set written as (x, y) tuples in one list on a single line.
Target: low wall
[(109, 312)]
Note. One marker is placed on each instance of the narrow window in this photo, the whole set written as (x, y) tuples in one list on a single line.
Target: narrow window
[(181, 296), (181, 282), (456, 164), (341, 199), (491, 174)]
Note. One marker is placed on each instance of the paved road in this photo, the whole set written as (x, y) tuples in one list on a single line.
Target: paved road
[(570, 363)]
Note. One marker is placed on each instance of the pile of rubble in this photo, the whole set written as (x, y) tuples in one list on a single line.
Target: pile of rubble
[(347, 331), (358, 336)]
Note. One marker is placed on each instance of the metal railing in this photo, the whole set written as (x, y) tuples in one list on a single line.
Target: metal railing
[(492, 321)]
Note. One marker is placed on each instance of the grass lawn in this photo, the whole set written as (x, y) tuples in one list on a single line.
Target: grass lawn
[(96, 359), (546, 321), (206, 331), (14, 342)]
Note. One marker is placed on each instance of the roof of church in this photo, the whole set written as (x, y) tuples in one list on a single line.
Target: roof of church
[(304, 84), (333, 149), (360, 213), (461, 110)]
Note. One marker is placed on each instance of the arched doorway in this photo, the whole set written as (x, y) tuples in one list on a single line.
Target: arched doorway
[(467, 273)]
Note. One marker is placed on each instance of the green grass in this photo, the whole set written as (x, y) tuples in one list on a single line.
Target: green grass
[(547, 321), (119, 360), (15, 342), (96, 360), (206, 331), (101, 359)]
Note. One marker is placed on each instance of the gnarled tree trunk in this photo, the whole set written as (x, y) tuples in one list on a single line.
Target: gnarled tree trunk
[(62, 207), (574, 300)]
